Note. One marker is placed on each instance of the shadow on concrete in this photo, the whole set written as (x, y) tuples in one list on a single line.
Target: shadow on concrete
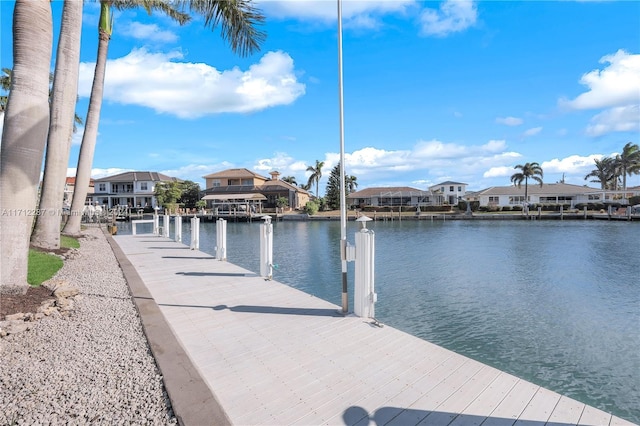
[(355, 415), (188, 257), (217, 274), (321, 312), (168, 248)]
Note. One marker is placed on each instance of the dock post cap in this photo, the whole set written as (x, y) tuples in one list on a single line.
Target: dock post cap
[(266, 218), (363, 221)]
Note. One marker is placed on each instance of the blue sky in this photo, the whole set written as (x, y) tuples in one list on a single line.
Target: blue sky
[(433, 91)]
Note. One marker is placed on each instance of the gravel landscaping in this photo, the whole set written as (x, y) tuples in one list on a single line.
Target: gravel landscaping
[(91, 365)]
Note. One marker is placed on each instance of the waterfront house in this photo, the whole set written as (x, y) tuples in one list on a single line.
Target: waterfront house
[(448, 192), (130, 189), (399, 196), (242, 188), (549, 193)]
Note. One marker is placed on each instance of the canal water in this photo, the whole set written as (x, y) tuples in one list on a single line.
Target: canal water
[(554, 302)]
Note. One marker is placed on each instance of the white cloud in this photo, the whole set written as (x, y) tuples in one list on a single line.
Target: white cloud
[(573, 164), (150, 32), (615, 87), (191, 90), (355, 13), (618, 119), (498, 172), (617, 84), (509, 121), (495, 146), (531, 132), (98, 173), (452, 16)]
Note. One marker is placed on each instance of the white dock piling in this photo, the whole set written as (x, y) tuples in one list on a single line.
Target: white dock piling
[(221, 239), (178, 225), (266, 248), (364, 297), (195, 233), (165, 225)]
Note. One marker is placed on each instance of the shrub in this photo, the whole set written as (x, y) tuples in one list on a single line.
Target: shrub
[(311, 207), (517, 208), (506, 208)]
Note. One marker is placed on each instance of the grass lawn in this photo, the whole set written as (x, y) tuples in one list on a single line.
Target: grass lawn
[(43, 265)]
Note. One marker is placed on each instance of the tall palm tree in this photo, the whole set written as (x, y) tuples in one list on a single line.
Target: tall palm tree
[(237, 21), (87, 148), (527, 171), (5, 85), (46, 233), (604, 173), (628, 162), (316, 174), (26, 123)]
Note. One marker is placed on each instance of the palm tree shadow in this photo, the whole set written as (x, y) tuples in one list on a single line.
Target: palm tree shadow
[(355, 415), (279, 310)]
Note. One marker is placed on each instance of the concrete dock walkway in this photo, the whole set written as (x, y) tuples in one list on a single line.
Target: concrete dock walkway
[(256, 352)]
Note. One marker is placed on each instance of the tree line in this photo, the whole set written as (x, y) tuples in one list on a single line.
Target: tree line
[(39, 114)]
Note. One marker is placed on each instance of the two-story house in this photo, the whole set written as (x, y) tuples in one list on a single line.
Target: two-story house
[(243, 187), (448, 192), (131, 189)]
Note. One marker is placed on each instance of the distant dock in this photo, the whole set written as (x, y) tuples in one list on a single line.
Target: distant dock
[(264, 353)]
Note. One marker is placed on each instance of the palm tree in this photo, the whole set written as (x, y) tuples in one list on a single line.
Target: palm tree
[(628, 163), (290, 179), (87, 148), (527, 171), (604, 173), (46, 233), (26, 123), (316, 175), (237, 20), (351, 182), (5, 85)]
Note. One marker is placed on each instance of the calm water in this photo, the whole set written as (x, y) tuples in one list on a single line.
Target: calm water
[(554, 302)]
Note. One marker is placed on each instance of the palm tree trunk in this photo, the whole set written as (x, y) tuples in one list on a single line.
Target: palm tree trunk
[(63, 101), (87, 149), (26, 123)]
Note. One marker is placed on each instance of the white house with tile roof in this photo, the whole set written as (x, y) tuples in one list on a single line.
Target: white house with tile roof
[(398, 196), (550, 193), (448, 192), (132, 189)]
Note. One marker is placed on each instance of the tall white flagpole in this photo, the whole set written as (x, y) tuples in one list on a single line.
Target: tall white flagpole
[(343, 204)]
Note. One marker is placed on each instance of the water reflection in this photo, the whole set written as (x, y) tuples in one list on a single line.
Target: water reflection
[(554, 302)]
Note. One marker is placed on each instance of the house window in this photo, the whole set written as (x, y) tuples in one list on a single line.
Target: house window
[(442, 188), (143, 186), (451, 189), (247, 182), (129, 187), (494, 200), (102, 187), (459, 189), (594, 197), (517, 199), (215, 183)]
